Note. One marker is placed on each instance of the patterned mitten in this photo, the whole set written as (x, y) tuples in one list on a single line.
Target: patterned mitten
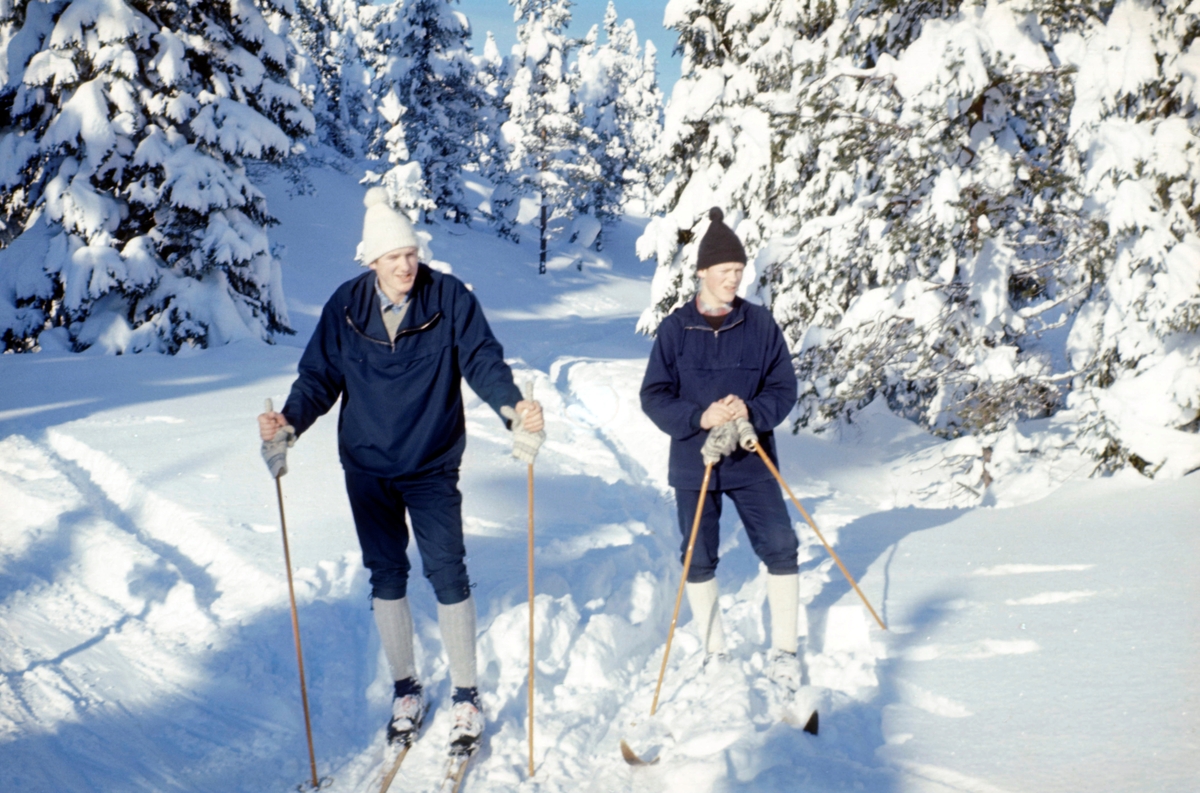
[(747, 437), (525, 443), (274, 451), (721, 441)]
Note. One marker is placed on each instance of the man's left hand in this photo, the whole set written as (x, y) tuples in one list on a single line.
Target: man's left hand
[(735, 403), (527, 428), (530, 412)]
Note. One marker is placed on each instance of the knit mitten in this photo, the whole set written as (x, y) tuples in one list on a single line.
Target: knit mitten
[(747, 436), (722, 440), (525, 443), (274, 451)]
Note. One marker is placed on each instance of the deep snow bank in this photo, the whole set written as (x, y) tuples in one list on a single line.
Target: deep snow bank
[(146, 642)]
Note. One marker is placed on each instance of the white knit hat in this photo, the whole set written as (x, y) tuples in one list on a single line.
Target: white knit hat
[(384, 229)]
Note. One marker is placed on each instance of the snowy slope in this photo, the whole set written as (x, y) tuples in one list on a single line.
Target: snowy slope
[(145, 642)]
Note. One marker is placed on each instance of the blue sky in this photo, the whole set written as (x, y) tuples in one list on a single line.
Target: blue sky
[(647, 15)]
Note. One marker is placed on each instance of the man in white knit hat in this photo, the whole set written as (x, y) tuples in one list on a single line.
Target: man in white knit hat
[(394, 344)]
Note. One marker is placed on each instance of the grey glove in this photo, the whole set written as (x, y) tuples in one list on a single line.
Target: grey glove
[(722, 440), (274, 451), (525, 443), (747, 436)]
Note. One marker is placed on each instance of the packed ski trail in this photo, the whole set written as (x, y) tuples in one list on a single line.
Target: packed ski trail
[(1043, 644)]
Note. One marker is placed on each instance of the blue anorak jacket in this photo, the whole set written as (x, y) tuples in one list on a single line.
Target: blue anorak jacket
[(402, 405), (692, 366)]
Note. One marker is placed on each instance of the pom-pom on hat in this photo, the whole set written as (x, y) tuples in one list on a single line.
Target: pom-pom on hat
[(384, 229), (719, 244)]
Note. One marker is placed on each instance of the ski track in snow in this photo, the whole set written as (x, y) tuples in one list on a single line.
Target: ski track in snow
[(146, 642), (1024, 569)]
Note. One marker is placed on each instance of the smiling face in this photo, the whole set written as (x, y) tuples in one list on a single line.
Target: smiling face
[(719, 282), (397, 270)]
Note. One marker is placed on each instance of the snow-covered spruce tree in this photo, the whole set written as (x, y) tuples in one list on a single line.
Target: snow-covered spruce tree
[(941, 249), (1135, 344), (327, 36), (121, 158), (548, 157), (491, 77), (617, 92), (595, 94), (424, 81), (639, 115), (912, 179)]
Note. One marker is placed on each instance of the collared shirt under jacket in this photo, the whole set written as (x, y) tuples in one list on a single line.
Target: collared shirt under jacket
[(402, 405), (692, 365)]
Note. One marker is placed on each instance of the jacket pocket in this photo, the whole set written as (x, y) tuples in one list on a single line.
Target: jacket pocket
[(705, 350)]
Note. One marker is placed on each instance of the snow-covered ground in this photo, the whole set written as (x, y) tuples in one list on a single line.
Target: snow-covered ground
[(1045, 644)]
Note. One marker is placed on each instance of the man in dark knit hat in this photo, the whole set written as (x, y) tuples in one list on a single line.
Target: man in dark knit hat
[(718, 358)]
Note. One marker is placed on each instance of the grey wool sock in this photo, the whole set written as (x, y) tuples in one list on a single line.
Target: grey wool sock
[(395, 623), (458, 634), (783, 596)]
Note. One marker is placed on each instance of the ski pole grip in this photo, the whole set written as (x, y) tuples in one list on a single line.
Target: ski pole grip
[(527, 391), (268, 405)]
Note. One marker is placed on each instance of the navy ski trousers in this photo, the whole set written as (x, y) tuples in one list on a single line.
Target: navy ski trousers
[(435, 506), (763, 513)]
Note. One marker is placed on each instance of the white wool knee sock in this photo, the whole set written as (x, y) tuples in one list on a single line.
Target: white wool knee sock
[(458, 634), (783, 596), (703, 600), (394, 620)]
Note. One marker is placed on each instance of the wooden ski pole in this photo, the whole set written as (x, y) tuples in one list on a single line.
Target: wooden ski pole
[(529, 396), (531, 594), (687, 563), (287, 560), (778, 478)]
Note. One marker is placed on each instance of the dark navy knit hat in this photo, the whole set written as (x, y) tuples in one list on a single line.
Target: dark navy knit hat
[(719, 244)]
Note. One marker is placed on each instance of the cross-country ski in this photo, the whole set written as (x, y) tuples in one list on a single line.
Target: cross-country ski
[(392, 766), (456, 770), (597, 396)]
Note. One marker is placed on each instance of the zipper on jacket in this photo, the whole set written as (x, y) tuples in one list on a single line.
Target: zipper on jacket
[(399, 333), (716, 332)]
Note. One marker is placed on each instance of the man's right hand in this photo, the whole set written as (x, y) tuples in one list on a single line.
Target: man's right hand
[(269, 424), (277, 435)]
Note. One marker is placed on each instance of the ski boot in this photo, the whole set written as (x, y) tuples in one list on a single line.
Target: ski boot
[(408, 712), (783, 669), (467, 726)]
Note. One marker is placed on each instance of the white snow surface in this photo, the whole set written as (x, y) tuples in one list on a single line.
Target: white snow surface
[(1045, 641)]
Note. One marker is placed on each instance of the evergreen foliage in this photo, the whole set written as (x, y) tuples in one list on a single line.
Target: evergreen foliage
[(328, 36), (424, 85), (943, 204), (125, 128), (617, 91), (547, 145), (491, 77)]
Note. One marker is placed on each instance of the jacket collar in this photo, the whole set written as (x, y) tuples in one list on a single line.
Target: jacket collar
[(693, 318), (363, 306)]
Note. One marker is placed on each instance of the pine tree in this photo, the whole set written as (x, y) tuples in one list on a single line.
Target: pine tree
[(422, 65), (639, 116), (919, 196), (547, 151), (491, 76), (126, 135), (617, 91), (1134, 345), (595, 94), (328, 36)]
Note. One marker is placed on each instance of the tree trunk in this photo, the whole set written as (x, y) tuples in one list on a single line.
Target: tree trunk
[(542, 258)]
